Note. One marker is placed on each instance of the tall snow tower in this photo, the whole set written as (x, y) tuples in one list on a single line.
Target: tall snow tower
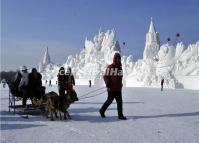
[(46, 60), (152, 44)]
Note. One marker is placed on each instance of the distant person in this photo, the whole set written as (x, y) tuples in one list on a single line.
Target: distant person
[(113, 80), (50, 84), (35, 84), (46, 82), (56, 81), (162, 84), (61, 81), (22, 78), (70, 80), (89, 83)]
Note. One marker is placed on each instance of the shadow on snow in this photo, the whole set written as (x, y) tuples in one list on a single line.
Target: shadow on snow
[(165, 115)]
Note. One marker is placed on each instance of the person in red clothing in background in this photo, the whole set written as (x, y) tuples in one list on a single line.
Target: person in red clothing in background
[(70, 80), (113, 80)]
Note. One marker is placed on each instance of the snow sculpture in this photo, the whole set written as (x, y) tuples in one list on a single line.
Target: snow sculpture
[(46, 61), (152, 43), (165, 61)]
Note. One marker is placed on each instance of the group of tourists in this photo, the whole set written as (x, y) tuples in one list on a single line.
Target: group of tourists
[(28, 85), (66, 81)]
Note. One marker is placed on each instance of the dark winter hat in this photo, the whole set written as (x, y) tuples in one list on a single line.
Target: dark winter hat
[(117, 55), (34, 70), (62, 68), (61, 71)]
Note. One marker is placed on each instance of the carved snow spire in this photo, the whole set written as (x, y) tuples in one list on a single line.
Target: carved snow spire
[(46, 59), (152, 27), (152, 42)]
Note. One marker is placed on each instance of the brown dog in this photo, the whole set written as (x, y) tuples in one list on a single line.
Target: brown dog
[(60, 103)]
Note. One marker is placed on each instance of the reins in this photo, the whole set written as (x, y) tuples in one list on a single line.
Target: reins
[(84, 96), (92, 91), (93, 95)]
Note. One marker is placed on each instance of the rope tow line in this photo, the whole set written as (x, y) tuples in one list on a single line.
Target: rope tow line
[(92, 95), (92, 92)]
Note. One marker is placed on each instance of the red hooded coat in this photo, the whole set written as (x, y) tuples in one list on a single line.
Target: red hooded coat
[(113, 75)]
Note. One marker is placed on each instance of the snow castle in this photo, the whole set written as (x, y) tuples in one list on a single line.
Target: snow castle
[(158, 61)]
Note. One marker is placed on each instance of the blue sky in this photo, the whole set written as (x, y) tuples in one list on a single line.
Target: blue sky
[(28, 26)]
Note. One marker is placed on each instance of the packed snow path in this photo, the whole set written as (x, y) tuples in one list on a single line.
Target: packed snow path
[(153, 117)]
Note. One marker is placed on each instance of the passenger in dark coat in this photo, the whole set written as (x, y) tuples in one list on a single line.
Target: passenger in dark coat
[(15, 86), (61, 82), (35, 84), (113, 80)]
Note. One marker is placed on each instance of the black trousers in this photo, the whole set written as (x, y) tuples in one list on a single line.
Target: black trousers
[(117, 95), (62, 92)]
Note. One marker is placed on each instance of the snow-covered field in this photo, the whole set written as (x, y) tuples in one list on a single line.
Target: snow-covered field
[(153, 117)]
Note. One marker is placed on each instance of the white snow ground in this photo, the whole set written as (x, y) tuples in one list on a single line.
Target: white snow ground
[(153, 117)]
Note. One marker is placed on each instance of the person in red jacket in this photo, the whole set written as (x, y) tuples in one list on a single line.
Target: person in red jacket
[(70, 80), (113, 80)]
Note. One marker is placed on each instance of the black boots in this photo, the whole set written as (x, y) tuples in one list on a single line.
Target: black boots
[(111, 96), (119, 117), (122, 117), (102, 114)]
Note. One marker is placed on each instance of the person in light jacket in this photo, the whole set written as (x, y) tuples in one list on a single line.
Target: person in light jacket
[(22, 77)]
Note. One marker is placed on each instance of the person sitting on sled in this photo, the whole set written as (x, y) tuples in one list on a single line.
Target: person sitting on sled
[(35, 84), (21, 79)]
